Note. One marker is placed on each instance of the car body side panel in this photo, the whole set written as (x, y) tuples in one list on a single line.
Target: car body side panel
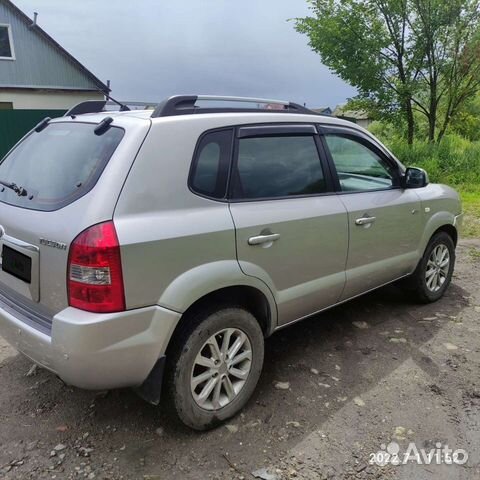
[(386, 249), (168, 233), (164, 229), (304, 268), (157, 258), (441, 206), (209, 277)]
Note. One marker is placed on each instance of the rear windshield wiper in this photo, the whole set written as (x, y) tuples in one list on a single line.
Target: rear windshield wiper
[(20, 191)]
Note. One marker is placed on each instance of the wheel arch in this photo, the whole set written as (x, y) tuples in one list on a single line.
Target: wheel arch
[(450, 230), (439, 222), (220, 281), (246, 296)]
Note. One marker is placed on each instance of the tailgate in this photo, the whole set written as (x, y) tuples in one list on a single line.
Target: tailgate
[(34, 255), (71, 178)]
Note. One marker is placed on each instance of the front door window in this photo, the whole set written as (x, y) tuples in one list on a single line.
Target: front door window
[(359, 168)]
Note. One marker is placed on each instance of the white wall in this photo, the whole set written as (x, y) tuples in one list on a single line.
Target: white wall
[(46, 100), (364, 122)]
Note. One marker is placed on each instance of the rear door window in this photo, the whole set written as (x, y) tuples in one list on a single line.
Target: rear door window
[(277, 167), (57, 165)]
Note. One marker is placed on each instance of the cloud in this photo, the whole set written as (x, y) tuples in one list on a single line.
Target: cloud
[(151, 49)]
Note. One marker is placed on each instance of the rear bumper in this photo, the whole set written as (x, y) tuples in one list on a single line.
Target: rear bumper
[(94, 351)]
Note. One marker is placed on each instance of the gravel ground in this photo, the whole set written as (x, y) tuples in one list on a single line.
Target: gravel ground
[(335, 389)]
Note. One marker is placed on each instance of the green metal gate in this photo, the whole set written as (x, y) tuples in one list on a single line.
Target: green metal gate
[(14, 124)]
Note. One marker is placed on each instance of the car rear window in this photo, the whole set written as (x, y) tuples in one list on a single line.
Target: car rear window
[(57, 165), (209, 172)]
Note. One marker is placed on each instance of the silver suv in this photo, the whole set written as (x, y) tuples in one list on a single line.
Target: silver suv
[(142, 249)]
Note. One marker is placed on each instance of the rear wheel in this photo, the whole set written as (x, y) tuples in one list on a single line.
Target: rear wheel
[(434, 272), (214, 366)]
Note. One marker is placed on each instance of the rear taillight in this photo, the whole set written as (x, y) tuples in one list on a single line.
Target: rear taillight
[(95, 280)]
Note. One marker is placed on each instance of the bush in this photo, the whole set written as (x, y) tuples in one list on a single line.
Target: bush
[(455, 161)]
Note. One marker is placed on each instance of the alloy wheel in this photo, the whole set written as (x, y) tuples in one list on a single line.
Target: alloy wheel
[(438, 266), (221, 369)]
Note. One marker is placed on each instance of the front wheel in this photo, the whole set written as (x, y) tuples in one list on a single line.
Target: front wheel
[(215, 366), (434, 272)]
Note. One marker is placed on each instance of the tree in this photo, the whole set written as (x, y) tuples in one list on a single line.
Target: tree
[(365, 43), (467, 121), (446, 35), (401, 55)]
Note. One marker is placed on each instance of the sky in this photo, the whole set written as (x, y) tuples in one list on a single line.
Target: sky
[(151, 49)]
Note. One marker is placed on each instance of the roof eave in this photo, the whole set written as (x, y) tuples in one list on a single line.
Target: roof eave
[(50, 88)]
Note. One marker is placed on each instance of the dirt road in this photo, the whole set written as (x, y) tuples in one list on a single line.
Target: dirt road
[(377, 370)]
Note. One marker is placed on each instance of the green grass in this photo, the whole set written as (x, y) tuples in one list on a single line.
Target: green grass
[(455, 162), (471, 208)]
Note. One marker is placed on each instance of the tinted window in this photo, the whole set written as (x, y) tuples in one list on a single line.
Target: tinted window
[(210, 166), (5, 47), (359, 168), (57, 165), (270, 167)]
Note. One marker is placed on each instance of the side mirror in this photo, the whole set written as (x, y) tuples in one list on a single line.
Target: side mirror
[(415, 178)]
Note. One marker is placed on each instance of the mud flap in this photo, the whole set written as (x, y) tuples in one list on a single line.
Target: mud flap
[(151, 388)]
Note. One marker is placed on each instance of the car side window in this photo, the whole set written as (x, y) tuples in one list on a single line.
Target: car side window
[(210, 166), (359, 167), (278, 166)]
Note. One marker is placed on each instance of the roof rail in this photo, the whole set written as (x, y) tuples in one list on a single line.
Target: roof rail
[(186, 104)]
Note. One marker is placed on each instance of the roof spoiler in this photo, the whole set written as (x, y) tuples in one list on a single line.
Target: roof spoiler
[(94, 106), (90, 106)]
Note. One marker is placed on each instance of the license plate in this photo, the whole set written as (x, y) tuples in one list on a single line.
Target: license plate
[(17, 264)]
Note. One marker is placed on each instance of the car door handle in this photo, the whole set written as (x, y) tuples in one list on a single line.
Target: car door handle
[(365, 220), (259, 239)]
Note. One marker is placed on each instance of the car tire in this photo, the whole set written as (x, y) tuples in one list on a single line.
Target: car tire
[(434, 272), (205, 385)]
